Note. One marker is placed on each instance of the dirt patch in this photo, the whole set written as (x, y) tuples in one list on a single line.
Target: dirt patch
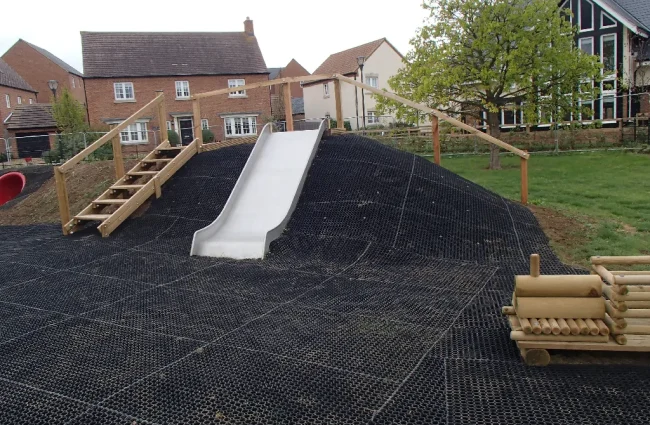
[(85, 182), (567, 234)]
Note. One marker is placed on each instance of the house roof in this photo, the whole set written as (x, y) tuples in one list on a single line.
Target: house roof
[(345, 62), (142, 54), (36, 115), (10, 78), (634, 14), (274, 72), (297, 105), (637, 9), (54, 59)]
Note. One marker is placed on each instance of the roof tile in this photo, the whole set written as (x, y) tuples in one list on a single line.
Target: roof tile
[(36, 115), (10, 78), (345, 62)]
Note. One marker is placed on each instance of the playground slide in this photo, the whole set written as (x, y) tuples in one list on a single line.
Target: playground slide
[(263, 198)]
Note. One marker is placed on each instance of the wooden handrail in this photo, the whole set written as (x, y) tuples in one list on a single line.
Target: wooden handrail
[(265, 83), (437, 113), (67, 166)]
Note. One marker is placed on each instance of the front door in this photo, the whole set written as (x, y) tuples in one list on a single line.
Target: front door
[(187, 132)]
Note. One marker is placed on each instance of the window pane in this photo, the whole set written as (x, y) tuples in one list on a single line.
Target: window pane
[(608, 54), (609, 107), (587, 45), (237, 125), (253, 125), (228, 127), (607, 21), (586, 15), (246, 126), (587, 110), (508, 117)]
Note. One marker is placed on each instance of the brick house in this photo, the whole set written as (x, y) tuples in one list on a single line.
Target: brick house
[(31, 130), (124, 71), (292, 69), (14, 91), (38, 66)]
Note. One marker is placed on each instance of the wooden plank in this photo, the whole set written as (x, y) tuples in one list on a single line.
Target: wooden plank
[(524, 181), (522, 336), (635, 343), (126, 186), (288, 109), (622, 260), (109, 201), (198, 131), (630, 313), (265, 83), (435, 134), (339, 105), (62, 197), (118, 159), (565, 307), (630, 296), (605, 274), (437, 113), (67, 166), (92, 217), (162, 118)]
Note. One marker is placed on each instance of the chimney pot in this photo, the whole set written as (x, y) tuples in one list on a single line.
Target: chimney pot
[(248, 26)]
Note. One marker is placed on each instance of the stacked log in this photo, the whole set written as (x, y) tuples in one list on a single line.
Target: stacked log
[(562, 308), (627, 295)]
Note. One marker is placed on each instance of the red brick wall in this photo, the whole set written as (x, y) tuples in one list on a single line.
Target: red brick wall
[(645, 103), (13, 95), (293, 69), (102, 104), (37, 70)]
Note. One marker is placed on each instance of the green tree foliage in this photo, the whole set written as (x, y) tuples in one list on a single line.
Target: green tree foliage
[(70, 117), (478, 56)]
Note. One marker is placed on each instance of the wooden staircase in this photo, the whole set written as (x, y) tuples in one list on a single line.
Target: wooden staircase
[(120, 200)]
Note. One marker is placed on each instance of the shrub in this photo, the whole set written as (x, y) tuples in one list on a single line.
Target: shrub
[(208, 136), (3, 157), (173, 137), (346, 124)]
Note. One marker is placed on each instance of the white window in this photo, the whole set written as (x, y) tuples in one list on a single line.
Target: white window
[(31, 100), (608, 107), (204, 124), (608, 53), (372, 81), (182, 89), (124, 91), (8, 100), (587, 45), (509, 116), (169, 125), (606, 21), (237, 83), (326, 90), (372, 117), (73, 83), (586, 15), (134, 134), (20, 100), (240, 126)]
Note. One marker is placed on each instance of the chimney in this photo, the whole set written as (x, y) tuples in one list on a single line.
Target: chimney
[(248, 26)]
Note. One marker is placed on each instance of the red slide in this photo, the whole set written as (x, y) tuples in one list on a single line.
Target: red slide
[(11, 184)]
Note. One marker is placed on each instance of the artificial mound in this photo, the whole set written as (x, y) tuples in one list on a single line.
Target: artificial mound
[(380, 304)]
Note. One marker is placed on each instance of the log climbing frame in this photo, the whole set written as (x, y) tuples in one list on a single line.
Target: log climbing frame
[(137, 185)]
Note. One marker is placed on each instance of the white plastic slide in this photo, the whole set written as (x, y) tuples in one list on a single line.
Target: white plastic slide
[(263, 198)]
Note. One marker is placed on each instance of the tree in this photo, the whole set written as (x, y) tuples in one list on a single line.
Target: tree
[(70, 117), (475, 57)]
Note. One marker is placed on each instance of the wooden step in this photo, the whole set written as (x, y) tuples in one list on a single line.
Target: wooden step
[(127, 186), (171, 148), (142, 173), (92, 217), (153, 161), (109, 201)]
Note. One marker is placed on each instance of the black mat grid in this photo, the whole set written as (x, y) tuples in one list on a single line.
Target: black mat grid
[(379, 304)]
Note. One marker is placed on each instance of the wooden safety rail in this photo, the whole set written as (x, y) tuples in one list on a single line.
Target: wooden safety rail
[(568, 312)]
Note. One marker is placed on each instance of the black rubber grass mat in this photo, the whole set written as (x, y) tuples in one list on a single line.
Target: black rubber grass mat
[(12, 273), (18, 320)]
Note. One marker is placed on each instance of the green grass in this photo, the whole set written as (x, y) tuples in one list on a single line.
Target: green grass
[(605, 194)]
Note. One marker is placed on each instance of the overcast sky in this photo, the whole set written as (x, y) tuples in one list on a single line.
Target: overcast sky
[(285, 29)]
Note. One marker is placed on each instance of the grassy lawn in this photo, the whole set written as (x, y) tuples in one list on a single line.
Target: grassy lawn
[(588, 203)]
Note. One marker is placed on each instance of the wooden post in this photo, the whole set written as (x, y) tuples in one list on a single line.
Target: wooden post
[(288, 111), (118, 159), (198, 131), (339, 108), (534, 265), (162, 119), (62, 196), (524, 181), (435, 133)]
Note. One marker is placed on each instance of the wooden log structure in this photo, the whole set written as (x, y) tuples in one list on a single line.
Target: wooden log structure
[(564, 327), (622, 260), (559, 286), (564, 307), (573, 327), (536, 327), (546, 327)]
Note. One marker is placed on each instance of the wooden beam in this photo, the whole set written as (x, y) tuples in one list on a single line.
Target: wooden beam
[(265, 83), (198, 131), (435, 134), (288, 110), (437, 113), (67, 166), (524, 180), (118, 159), (162, 120), (627, 260), (62, 196), (339, 105)]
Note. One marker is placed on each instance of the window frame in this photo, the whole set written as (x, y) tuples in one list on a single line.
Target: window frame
[(240, 93), (205, 125), (169, 126), (140, 129), (19, 100), (608, 95), (593, 23), (8, 100), (73, 83), (602, 25), (123, 85), (372, 117), (326, 90), (183, 85), (230, 125), (376, 80), (612, 74), (592, 43), (31, 101)]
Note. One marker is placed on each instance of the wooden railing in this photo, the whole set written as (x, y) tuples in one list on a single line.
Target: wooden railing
[(118, 159)]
